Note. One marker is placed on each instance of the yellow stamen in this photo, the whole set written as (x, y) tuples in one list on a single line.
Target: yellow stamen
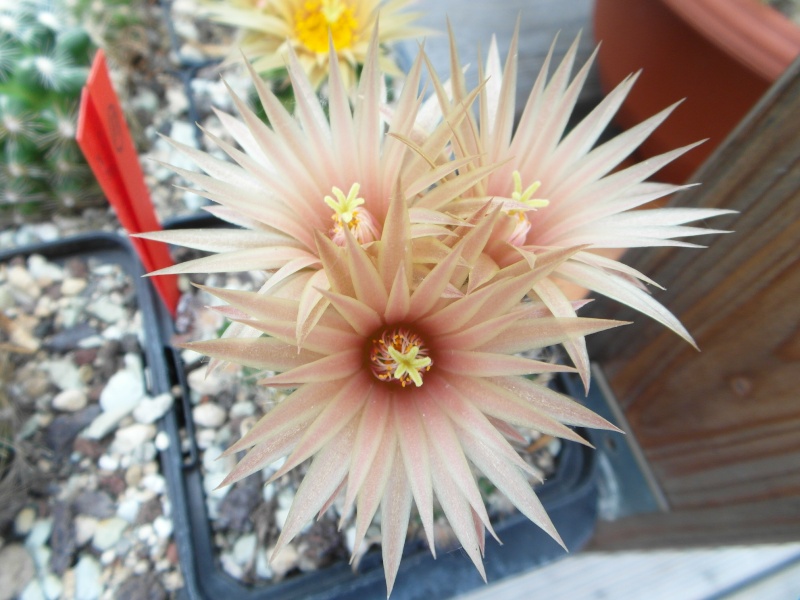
[(399, 356), (317, 17), (348, 212), (345, 206), (525, 197)]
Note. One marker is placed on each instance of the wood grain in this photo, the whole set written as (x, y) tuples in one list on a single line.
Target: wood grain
[(721, 428)]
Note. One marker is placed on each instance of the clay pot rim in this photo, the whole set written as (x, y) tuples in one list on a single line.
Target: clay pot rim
[(756, 34)]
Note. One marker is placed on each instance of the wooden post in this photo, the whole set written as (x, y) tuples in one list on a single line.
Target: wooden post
[(720, 428)]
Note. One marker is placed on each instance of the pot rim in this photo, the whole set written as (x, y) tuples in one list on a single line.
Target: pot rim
[(754, 33)]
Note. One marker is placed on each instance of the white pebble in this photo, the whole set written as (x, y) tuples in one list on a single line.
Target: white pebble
[(52, 587), (131, 438), (72, 286), (108, 462), (150, 410), (123, 392), (162, 441), (244, 549), (163, 527), (23, 522), (85, 526), (108, 533), (230, 567), (128, 509), (263, 570), (88, 574), (39, 533), (284, 561), (208, 415), (70, 400), (155, 483), (33, 591), (242, 409)]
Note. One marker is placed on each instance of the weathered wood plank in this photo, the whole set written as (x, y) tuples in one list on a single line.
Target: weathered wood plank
[(721, 428)]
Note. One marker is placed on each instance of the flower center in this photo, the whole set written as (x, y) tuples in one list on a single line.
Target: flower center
[(316, 17), (348, 212), (523, 225), (399, 355)]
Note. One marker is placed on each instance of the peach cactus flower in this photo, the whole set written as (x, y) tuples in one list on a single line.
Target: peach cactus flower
[(410, 375), (306, 174), (560, 189), (270, 29)]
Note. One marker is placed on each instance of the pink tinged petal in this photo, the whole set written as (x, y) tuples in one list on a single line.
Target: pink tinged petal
[(510, 481), (433, 217), (482, 272), (330, 368), (258, 353), (498, 403), (323, 339), (218, 240), (447, 446), (218, 169), (435, 175), (333, 263), (361, 317), (258, 306), (366, 280), (554, 111), (507, 430), (439, 197), (490, 96), (560, 306), (287, 270), (367, 120), (283, 144), (467, 417), (309, 111), (601, 262), (602, 159), (399, 301), (312, 306), (341, 118), (583, 136), (242, 136), (339, 412), (483, 332), (264, 454), (429, 292), (487, 364), (235, 218), (623, 291), (416, 459), (252, 259), (291, 414), (395, 512), (371, 492), (557, 406), (393, 251), (324, 476), (369, 436), (458, 513), (332, 499), (504, 113), (529, 334)]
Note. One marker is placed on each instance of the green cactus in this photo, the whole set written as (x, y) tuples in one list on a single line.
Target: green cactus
[(44, 62)]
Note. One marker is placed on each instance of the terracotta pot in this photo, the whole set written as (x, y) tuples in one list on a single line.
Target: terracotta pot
[(721, 55)]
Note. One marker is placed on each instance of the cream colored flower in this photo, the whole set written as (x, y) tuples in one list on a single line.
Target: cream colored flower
[(269, 28)]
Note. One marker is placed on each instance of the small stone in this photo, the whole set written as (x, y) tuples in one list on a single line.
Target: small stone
[(70, 338), (244, 550), (23, 522), (62, 539), (39, 533), (88, 574), (230, 566), (208, 415), (133, 475), (129, 510), (108, 462), (163, 527), (242, 409), (141, 587), (52, 587), (23, 282), (44, 271), (61, 433), (130, 438), (70, 400), (123, 392), (33, 591), (162, 441), (106, 310), (263, 570), (72, 286), (16, 572), (151, 410), (155, 483), (108, 533), (207, 384), (64, 374), (284, 561), (85, 526)]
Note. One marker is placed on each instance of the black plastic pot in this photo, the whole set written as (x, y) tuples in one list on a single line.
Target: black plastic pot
[(569, 496)]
